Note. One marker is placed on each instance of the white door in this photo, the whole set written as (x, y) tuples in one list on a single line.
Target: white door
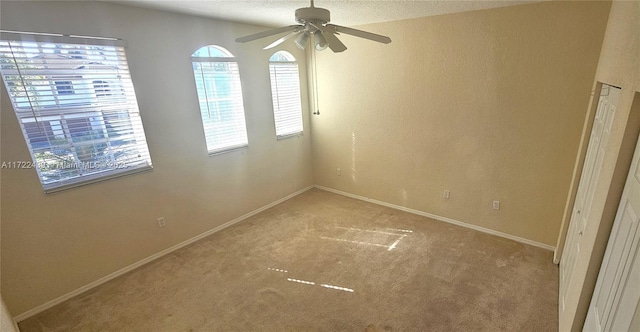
[(584, 197), (617, 292)]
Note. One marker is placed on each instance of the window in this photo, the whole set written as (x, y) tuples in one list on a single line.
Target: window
[(101, 88), (64, 87), (220, 96), (77, 110), (285, 93)]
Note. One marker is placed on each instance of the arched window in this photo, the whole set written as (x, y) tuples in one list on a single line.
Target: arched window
[(220, 96), (285, 93)]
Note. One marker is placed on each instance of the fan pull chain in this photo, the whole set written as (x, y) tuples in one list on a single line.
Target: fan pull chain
[(315, 81)]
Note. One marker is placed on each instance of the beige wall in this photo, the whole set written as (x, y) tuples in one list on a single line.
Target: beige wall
[(54, 244), (619, 65), (487, 104), (7, 324)]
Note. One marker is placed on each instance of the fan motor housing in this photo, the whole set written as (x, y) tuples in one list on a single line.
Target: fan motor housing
[(312, 14)]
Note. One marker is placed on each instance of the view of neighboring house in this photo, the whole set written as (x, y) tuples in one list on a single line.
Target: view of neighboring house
[(75, 115)]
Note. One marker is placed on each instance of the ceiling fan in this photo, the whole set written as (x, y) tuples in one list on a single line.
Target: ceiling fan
[(314, 21)]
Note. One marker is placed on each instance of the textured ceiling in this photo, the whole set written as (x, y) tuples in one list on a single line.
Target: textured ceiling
[(343, 12)]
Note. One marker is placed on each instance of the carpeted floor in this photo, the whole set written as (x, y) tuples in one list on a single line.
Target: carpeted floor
[(324, 262)]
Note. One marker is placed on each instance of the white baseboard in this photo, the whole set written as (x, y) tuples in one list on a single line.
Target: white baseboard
[(60, 299), (440, 218)]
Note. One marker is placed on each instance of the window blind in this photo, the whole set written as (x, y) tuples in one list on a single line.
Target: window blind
[(285, 92), (77, 109), (221, 105)]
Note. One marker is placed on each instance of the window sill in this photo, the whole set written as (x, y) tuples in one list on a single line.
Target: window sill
[(96, 179), (298, 134), (229, 149)]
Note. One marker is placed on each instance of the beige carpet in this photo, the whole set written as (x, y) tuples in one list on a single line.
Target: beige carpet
[(324, 262)]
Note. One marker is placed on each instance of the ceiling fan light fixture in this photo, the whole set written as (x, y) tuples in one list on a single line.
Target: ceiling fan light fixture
[(321, 43), (301, 41), (314, 20)]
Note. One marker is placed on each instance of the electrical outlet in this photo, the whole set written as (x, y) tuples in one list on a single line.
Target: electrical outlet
[(338, 172), (161, 222), (445, 195), (496, 205)]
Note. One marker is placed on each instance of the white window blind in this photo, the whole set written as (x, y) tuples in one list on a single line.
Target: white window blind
[(285, 93), (220, 97), (77, 109)]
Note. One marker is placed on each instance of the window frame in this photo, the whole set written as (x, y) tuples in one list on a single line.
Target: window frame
[(83, 140), (238, 116), (278, 111)]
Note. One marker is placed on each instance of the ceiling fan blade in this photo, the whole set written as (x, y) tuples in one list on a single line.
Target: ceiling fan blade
[(334, 43), (360, 33), (267, 33), (282, 39)]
